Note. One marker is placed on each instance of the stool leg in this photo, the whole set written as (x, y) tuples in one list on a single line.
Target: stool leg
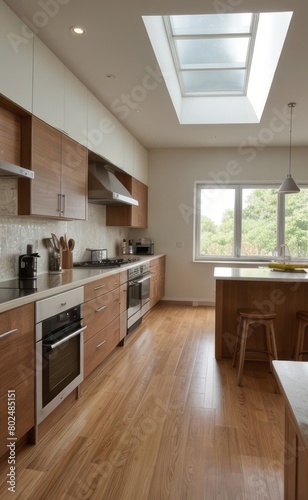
[(273, 340), (238, 340), (300, 339), (245, 327), (271, 343), (268, 344)]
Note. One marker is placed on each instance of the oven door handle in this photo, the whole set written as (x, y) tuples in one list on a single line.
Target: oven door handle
[(69, 337), (144, 279)]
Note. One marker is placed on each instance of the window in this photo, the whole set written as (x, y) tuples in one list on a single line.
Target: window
[(212, 53), (248, 222), (211, 63)]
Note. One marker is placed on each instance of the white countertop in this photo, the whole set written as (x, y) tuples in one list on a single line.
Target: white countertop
[(261, 273), (51, 284), (293, 380)]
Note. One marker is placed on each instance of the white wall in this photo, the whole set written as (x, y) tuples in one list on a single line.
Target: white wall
[(172, 173)]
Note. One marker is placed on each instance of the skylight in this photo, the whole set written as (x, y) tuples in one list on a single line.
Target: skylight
[(218, 68), (212, 53)]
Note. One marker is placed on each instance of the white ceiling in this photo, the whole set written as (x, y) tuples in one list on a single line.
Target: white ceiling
[(116, 42)]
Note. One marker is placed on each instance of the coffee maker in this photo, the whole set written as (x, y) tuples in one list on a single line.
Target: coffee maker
[(27, 264)]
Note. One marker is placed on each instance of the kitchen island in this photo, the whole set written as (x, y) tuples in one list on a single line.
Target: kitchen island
[(292, 378), (262, 289)]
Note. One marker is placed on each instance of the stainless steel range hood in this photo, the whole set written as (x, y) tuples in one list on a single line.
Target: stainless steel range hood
[(9, 170), (105, 189)]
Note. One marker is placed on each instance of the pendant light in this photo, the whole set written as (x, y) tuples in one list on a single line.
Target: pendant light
[(289, 185)]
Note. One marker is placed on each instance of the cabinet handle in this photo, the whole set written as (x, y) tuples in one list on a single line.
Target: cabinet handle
[(8, 333), (63, 207), (98, 287), (59, 203), (100, 308), (99, 345)]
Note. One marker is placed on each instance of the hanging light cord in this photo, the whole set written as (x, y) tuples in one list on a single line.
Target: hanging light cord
[(291, 105)]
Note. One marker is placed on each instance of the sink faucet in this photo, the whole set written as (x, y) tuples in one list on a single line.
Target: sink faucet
[(284, 252)]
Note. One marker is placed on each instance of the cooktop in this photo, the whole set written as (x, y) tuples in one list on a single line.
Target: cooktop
[(107, 263)]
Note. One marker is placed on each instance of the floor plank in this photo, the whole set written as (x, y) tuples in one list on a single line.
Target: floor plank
[(162, 419)]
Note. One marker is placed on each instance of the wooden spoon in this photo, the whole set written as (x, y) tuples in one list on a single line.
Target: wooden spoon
[(71, 244)]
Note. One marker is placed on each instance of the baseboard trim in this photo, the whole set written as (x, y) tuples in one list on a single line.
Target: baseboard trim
[(193, 303)]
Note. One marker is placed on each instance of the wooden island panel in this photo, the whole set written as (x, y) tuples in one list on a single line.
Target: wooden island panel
[(283, 298)]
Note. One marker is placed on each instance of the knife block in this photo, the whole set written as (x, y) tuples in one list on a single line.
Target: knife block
[(67, 259)]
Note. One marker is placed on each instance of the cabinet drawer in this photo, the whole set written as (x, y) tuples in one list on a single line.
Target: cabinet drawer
[(16, 347), (99, 312), (101, 286), (100, 345)]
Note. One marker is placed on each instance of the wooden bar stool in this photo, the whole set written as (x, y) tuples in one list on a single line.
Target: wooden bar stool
[(302, 317), (249, 317)]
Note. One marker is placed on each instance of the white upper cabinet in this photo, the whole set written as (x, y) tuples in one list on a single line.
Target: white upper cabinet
[(140, 170), (105, 134), (75, 108), (16, 52), (128, 153), (48, 86)]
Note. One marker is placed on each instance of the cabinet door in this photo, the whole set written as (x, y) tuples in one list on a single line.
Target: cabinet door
[(16, 51), (75, 108), (24, 412), (48, 86), (16, 347), (130, 216), (46, 163), (140, 213), (74, 179), (16, 371), (10, 137), (104, 132)]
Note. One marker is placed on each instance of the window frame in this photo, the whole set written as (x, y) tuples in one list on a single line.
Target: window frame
[(238, 187), (219, 35)]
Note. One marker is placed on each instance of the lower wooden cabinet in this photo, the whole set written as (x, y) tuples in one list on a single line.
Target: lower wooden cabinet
[(101, 312), (157, 283), (16, 372), (23, 419), (296, 462), (100, 345)]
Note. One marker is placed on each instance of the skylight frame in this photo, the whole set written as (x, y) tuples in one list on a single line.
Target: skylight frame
[(251, 34)]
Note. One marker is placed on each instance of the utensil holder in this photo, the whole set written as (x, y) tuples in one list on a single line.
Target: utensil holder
[(67, 259)]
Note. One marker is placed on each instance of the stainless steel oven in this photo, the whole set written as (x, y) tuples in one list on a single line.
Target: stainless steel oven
[(138, 294), (59, 349)]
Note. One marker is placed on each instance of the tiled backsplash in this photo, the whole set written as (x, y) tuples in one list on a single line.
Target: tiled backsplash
[(16, 232)]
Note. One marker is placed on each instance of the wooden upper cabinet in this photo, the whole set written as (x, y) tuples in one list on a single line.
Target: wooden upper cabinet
[(74, 179), (130, 215), (59, 188), (10, 136)]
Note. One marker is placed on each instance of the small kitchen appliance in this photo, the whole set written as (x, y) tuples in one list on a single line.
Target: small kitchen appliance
[(27, 264), (145, 246)]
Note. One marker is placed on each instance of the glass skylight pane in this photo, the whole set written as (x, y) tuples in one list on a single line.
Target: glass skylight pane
[(214, 81), (211, 24), (212, 51)]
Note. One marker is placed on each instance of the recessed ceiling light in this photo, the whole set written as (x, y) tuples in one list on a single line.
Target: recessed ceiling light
[(78, 30)]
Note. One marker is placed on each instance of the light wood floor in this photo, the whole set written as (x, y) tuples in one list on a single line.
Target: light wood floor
[(163, 420)]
